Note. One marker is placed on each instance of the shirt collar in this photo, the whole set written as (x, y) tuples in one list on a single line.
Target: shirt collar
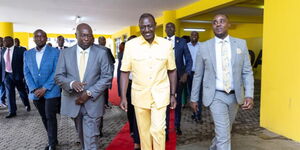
[(11, 48), (143, 41), (42, 50), (226, 39), (79, 49), (190, 43)]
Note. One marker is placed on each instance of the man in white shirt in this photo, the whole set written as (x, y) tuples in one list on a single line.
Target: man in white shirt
[(223, 66), (194, 46)]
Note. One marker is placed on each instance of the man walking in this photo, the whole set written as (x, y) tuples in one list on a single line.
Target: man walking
[(223, 65), (151, 61), (83, 82), (39, 69)]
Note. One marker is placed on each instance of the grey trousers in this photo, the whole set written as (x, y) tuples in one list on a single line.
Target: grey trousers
[(223, 110), (88, 130)]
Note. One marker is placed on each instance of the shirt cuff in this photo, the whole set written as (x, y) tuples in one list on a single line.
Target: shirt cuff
[(71, 84)]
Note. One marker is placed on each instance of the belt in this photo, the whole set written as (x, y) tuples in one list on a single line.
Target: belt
[(231, 92)]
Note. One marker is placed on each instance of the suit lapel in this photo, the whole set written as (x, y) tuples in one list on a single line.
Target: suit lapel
[(212, 52), (73, 54), (46, 53), (92, 55), (33, 58), (233, 45)]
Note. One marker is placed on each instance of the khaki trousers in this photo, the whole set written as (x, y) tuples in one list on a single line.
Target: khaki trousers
[(151, 124)]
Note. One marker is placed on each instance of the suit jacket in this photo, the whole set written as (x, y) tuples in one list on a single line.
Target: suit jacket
[(16, 63), (44, 76), (2, 64), (183, 58), (206, 68), (97, 76)]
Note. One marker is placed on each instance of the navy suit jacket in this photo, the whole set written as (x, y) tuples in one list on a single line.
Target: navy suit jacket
[(44, 76), (16, 63), (183, 57)]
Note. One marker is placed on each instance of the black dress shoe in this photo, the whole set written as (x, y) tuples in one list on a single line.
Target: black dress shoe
[(178, 131), (50, 147), (28, 109), (10, 115)]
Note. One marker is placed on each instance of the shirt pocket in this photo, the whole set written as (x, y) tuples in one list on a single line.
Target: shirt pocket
[(160, 62)]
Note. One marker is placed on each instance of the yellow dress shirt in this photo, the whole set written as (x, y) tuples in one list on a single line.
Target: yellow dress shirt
[(149, 65)]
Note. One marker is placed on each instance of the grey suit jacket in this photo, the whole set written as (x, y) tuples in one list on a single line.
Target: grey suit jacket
[(205, 71), (97, 76)]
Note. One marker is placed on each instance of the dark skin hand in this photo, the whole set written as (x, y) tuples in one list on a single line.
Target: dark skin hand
[(40, 92), (248, 104), (78, 86), (183, 78), (82, 98)]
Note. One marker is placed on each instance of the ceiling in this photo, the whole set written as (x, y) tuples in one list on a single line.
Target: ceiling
[(58, 16)]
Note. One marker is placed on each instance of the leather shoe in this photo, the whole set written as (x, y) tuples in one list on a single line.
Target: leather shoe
[(178, 131), (50, 147), (10, 115), (28, 109)]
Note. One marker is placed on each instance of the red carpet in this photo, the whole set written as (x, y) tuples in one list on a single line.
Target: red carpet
[(123, 140)]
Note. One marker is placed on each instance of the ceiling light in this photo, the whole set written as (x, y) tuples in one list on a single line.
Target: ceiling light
[(196, 21), (194, 29), (77, 19)]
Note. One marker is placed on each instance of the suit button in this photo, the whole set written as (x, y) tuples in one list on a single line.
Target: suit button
[(39, 74)]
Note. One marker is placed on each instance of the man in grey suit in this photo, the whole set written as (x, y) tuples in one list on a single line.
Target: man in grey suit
[(84, 72), (223, 65)]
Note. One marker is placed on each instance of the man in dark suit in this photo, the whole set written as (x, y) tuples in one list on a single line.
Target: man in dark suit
[(17, 44), (83, 72), (12, 66), (39, 68), (2, 86), (60, 43), (184, 64), (102, 43)]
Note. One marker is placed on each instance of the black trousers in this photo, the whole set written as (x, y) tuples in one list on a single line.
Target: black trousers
[(47, 109), (10, 85), (131, 117), (179, 90)]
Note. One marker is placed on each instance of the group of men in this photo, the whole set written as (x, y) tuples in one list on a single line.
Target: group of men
[(218, 73), (76, 81)]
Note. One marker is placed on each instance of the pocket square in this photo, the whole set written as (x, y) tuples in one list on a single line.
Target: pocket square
[(238, 51)]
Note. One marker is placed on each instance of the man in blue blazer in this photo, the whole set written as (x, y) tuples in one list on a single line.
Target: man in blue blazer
[(184, 64), (39, 69)]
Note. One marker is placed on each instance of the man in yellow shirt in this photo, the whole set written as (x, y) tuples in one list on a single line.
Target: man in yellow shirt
[(151, 61)]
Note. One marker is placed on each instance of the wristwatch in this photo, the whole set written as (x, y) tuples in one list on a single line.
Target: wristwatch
[(88, 93)]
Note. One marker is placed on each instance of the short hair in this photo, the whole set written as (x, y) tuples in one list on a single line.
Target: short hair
[(227, 17), (131, 37), (146, 15)]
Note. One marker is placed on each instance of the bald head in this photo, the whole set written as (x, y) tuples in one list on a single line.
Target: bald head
[(84, 36)]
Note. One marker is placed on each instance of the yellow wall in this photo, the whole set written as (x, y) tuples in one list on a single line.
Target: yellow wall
[(6, 29), (280, 98), (23, 37)]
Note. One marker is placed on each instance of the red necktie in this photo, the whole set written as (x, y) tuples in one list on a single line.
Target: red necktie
[(8, 62)]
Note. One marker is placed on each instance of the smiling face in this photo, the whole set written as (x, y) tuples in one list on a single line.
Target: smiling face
[(40, 38), (220, 25), (147, 27)]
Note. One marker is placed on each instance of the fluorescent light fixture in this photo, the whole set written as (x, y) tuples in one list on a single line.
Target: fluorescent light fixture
[(196, 21), (194, 29), (77, 19)]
